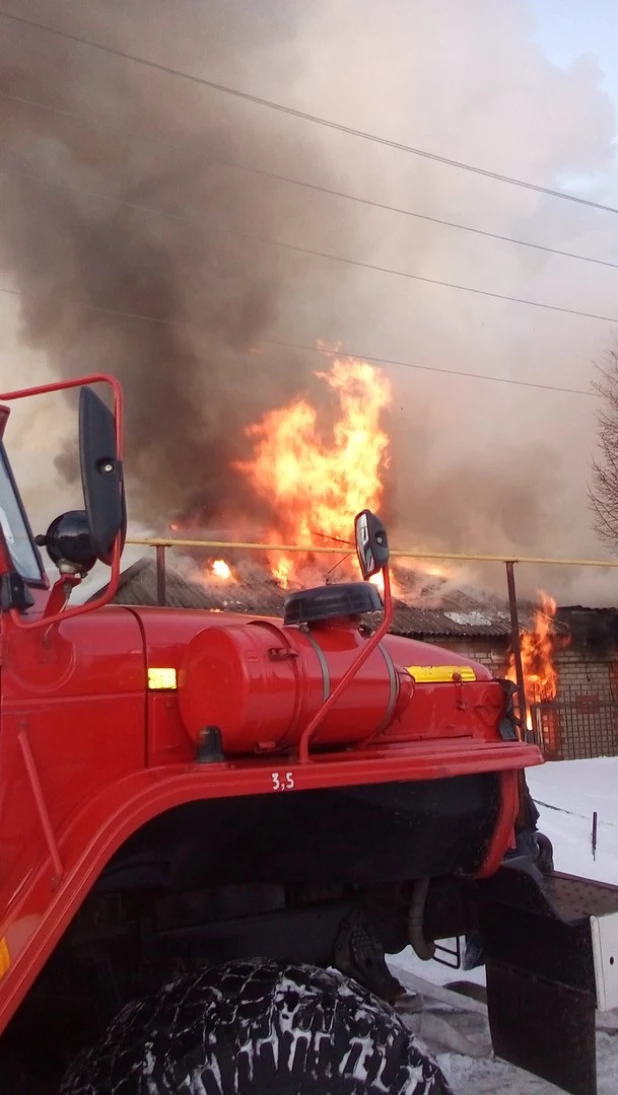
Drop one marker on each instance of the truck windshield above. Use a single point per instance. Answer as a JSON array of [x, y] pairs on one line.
[[17, 535]]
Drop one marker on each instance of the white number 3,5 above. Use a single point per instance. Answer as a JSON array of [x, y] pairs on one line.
[[282, 781]]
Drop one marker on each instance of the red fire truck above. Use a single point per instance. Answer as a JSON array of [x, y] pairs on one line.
[[213, 828]]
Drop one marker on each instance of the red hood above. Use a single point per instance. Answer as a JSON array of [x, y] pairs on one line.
[[167, 632]]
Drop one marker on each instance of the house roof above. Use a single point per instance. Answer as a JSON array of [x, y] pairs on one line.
[[594, 628], [435, 610]]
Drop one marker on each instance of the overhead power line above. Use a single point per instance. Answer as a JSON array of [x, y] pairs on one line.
[[431, 368], [94, 123], [309, 251], [304, 115], [342, 352]]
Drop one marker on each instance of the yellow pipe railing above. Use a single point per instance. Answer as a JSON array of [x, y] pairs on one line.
[[453, 556]]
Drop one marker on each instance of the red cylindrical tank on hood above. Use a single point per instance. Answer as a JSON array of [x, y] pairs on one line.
[[261, 684]]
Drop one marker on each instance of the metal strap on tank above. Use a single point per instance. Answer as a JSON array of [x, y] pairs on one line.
[[392, 699], [323, 665]]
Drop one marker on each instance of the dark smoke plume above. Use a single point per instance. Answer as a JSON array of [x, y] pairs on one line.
[[475, 466], [195, 378]]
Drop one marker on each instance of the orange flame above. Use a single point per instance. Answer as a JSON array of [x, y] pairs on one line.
[[221, 570], [537, 652], [435, 571], [317, 480], [281, 569]]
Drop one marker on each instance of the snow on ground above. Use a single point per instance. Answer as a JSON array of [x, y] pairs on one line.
[[566, 793], [493, 1077]]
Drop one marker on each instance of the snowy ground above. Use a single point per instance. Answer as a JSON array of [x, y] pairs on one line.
[[567, 794]]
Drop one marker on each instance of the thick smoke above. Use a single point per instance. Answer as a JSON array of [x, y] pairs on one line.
[[476, 466], [196, 377]]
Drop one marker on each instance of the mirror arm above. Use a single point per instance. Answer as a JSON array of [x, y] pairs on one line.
[[59, 596], [78, 610], [371, 644]]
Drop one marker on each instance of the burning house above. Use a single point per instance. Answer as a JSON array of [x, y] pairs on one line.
[[309, 472], [570, 655]]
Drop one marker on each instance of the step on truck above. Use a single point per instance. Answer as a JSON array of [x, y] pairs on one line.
[[214, 828]]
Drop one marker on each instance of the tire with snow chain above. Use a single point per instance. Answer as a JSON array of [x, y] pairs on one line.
[[257, 1028]]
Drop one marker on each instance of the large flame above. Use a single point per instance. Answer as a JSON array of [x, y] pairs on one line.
[[537, 654], [537, 651], [315, 480]]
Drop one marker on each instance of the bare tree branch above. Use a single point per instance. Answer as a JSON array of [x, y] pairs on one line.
[[604, 487]]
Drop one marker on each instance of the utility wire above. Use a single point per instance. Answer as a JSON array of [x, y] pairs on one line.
[[429, 368], [281, 344], [304, 115], [297, 249], [93, 123]]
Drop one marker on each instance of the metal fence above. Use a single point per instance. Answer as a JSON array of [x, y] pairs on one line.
[[581, 722]]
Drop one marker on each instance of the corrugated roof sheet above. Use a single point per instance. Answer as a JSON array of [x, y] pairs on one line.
[[431, 611]]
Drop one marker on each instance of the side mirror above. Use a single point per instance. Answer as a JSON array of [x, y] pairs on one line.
[[102, 477], [371, 543]]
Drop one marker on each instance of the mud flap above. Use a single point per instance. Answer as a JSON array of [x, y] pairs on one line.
[[544, 1027], [542, 969]]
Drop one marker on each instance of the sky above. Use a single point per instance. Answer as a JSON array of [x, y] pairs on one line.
[[570, 29], [572, 32]]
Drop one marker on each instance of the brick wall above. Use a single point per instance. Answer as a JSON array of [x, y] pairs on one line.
[[491, 653], [587, 704]]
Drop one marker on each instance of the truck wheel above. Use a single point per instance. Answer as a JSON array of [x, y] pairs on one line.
[[257, 1028]]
